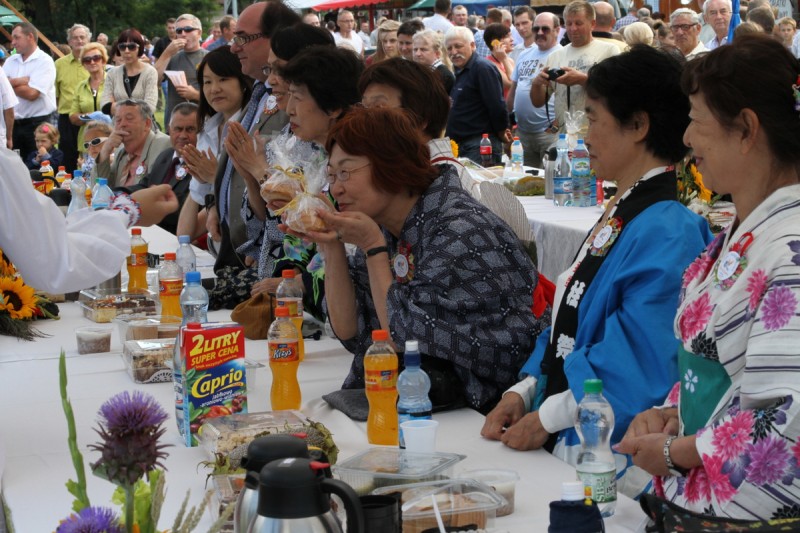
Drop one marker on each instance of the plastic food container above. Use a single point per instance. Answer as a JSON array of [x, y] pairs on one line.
[[139, 327], [103, 305], [149, 361], [226, 491], [504, 482], [382, 467], [464, 505], [93, 339], [223, 434]]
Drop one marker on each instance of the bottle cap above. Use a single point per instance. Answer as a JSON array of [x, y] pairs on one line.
[[411, 357], [184, 239], [284, 311], [193, 277], [62, 168], [580, 141], [412, 346], [485, 135], [136, 231], [102, 181], [288, 274], [516, 138], [593, 386], [78, 173], [562, 135], [380, 335], [45, 162], [572, 491], [169, 256]]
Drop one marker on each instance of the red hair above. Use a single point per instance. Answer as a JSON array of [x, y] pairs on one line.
[[392, 142]]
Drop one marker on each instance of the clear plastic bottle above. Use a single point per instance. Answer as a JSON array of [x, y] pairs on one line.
[[380, 376], [61, 175], [413, 386], [282, 340], [581, 177], [45, 170], [290, 294], [194, 304], [517, 155], [101, 194], [77, 188], [596, 468], [486, 151], [137, 262], [562, 182], [170, 284], [185, 255], [178, 365]]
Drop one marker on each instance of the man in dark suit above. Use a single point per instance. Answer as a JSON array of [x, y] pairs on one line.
[[169, 166]]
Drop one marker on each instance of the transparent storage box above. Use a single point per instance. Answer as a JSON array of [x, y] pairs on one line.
[[226, 491], [103, 305], [141, 327], [149, 361], [463, 504], [381, 467], [223, 434]]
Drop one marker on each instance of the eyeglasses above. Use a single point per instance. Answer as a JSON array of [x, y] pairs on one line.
[[91, 59], [543, 29], [185, 29], [682, 27], [342, 175], [243, 39], [127, 46], [94, 142]]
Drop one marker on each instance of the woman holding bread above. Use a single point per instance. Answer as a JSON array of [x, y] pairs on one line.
[[433, 264]]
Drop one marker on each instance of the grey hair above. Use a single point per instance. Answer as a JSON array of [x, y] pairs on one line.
[[459, 32], [684, 11], [726, 2], [79, 27], [141, 105], [195, 21]]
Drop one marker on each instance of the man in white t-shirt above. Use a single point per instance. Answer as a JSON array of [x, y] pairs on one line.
[[32, 75], [523, 22], [439, 22], [534, 124], [346, 36], [575, 60], [7, 102]]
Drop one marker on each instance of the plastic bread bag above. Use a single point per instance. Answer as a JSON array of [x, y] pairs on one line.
[[286, 178], [575, 121], [301, 213]]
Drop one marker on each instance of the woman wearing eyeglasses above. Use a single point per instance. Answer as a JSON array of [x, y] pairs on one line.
[[89, 93], [134, 78]]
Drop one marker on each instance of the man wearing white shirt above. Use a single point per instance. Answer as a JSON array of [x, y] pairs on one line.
[[32, 75], [523, 22], [718, 13], [7, 102], [685, 26], [438, 22], [346, 36]]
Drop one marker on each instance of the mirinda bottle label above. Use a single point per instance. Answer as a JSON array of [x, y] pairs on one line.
[[170, 287], [381, 380], [137, 259], [283, 352]]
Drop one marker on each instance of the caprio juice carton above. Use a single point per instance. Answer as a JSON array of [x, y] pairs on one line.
[[212, 357]]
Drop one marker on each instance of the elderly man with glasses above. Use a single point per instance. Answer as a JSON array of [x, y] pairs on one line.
[[183, 54], [134, 143], [685, 27]]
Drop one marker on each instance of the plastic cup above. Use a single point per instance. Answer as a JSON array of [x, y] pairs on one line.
[[420, 435], [93, 339]]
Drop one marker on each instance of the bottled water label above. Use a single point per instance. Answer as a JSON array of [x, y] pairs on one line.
[[562, 185], [603, 485]]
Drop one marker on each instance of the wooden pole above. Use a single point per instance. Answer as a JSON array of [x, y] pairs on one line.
[[48, 42]]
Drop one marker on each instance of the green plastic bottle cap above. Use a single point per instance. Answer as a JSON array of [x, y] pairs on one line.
[[593, 386]]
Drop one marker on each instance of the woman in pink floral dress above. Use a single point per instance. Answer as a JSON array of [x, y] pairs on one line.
[[730, 443]]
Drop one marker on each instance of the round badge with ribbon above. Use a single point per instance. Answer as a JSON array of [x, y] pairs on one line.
[[606, 237], [140, 171], [733, 263], [180, 173], [403, 263], [271, 107]]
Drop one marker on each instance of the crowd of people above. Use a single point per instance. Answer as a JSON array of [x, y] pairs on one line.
[[702, 327]]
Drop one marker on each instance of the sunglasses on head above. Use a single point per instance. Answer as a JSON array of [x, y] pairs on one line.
[[127, 46], [91, 59], [94, 142], [185, 29]]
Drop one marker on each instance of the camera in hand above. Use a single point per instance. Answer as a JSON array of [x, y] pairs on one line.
[[554, 73]]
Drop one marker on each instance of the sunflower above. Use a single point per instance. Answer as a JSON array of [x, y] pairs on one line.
[[702, 193], [18, 298], [6, 266]]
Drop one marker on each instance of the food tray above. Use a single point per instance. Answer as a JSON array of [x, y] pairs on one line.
[[221, 435], [149, 361], [103, 305], [140, 327]]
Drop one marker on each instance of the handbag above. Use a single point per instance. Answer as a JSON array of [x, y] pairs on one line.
[[255, 316], [232, 287]]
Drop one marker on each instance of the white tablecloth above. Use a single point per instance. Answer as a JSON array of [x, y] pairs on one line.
[[559, 231], [37, 461]]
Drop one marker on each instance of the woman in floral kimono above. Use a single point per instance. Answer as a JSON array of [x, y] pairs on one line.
[[731, 446]]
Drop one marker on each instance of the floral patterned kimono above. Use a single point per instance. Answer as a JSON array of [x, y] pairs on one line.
[[739, 327]]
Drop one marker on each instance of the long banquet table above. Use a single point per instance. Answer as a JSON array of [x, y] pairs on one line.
[[37, 461]]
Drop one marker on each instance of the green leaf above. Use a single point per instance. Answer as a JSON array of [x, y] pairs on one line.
[[77, 489]]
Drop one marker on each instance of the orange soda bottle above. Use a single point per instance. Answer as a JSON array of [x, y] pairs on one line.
[[380, 375], [283, 362], [290, 294], [137, 262], [170, 285]]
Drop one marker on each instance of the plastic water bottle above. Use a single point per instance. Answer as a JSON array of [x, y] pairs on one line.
[[517, 155], [562, 182], [77, 188], [380, 376], [413, 386], [194, 303], [596, 468], [101, 195], [289, 294], [486, 151], [581, 177], [185, 256], [283, 362]]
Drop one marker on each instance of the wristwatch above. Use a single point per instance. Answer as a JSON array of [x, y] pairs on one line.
[[674, 470], [209, 201]]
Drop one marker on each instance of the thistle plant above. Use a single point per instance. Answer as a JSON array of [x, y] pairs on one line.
[[91, 520]]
